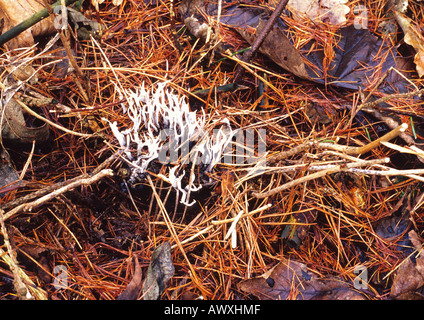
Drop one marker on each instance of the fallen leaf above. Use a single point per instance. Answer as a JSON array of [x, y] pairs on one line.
[[414, 38], [410, 275], [14, 128], [134, 287], [17, 11], [84, 26], [358, 57], [160, 270], [291, 279], [9, 178], [333, 10]]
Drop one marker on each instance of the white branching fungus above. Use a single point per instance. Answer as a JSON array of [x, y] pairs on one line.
[[163, 129]]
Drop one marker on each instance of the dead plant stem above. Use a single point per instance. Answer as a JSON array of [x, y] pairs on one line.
[[312, 176], [247, 55], [85, 180], [35, 114]]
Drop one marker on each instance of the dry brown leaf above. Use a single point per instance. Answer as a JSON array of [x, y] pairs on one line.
[[279, 48], [14, 12], [134, 287], [292, 280], [414, 38], [410, 275]]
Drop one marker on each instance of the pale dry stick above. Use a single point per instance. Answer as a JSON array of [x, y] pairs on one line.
[[413, 173], [38, 293], [47, 189], [392, 124], [25, 168], [289, 153], [10, 258], [368, 147], [31, 112], [349, 150], [312, 176], [75, 183], [318, 167], [392, 96], [193, 236], [265, 207]]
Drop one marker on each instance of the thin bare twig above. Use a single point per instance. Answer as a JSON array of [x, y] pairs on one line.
[[87, 180], [248, 55], [312, 176]]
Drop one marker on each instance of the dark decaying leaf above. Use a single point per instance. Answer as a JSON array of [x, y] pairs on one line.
[[85, 27], [160, 270], [290, 279], [14, 128], [134, 287], [360, 57], [410, 275], [9, 178], [297, 232]]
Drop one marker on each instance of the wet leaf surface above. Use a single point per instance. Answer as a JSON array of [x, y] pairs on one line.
[[410, 275], [290, 279], [353, 65], [161, 269]]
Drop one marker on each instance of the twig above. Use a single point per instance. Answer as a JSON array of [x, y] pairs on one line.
[[247, 56], [309, 177], [319, 167], [19, 276], [368, 147], [392, 96], [69, 186], [21, 27], [35, 114], [64, 37], [348, 150], [289, 153], [42, 192]]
